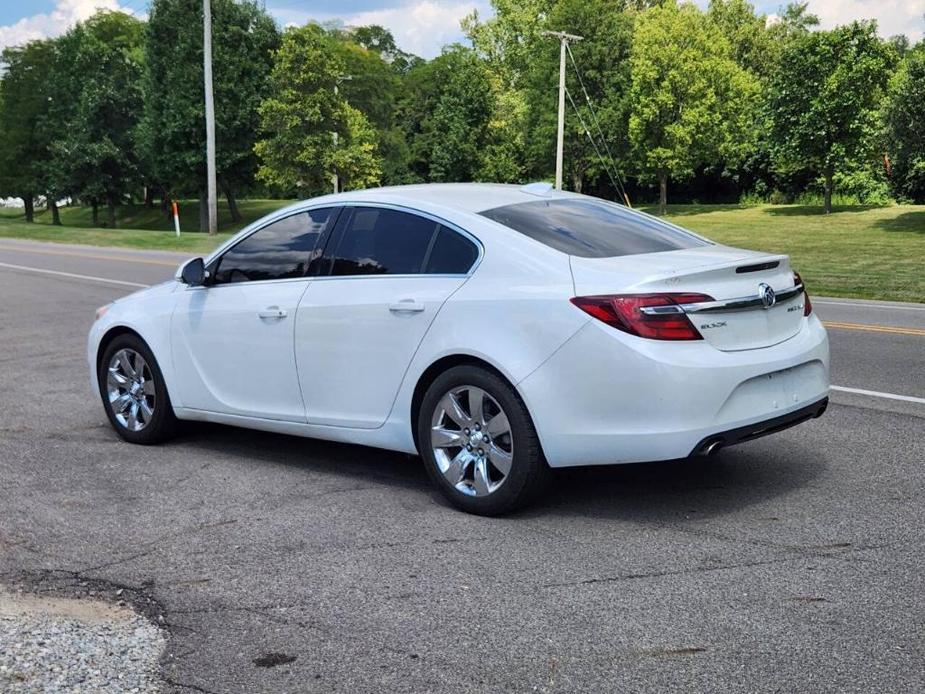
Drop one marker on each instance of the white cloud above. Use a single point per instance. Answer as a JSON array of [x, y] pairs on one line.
[[893, 16], [421, 27], [63, 17]]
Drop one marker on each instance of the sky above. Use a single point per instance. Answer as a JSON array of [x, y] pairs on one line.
[[420, 26]]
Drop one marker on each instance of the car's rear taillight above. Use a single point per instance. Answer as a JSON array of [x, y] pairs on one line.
[[624, 312], [807, 304]]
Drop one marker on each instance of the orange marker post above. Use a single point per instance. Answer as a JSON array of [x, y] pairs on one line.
[[176, 218]]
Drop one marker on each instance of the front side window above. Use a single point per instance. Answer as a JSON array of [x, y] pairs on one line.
[[591, 228], [281, 250], [380, 241]]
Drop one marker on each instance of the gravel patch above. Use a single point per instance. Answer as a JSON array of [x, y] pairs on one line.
[[75, 645]]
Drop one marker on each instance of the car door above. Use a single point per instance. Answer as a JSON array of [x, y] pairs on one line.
[[232, 339], [383, 278]]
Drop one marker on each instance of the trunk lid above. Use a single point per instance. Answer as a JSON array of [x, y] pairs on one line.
[[721, 272]]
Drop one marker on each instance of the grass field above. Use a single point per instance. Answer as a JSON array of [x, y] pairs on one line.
[[152, 219], [138, 226], [866, 252]]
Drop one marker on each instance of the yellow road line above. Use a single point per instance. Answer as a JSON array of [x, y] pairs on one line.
[[920, 332], [93, 256]]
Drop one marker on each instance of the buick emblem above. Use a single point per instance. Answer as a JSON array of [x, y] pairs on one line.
[[766, 294]]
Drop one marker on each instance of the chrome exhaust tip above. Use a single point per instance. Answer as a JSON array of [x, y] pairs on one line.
[[711, 447]]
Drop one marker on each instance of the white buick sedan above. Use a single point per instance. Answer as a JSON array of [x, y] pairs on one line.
[[498, 331]]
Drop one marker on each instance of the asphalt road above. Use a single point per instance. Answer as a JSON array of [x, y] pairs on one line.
[[791, 563]]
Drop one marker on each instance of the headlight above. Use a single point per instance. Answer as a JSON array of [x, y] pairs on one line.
[[102, 310]]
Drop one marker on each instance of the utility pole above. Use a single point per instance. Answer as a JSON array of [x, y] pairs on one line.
[[210, 118], [560, 137], [335, 177]]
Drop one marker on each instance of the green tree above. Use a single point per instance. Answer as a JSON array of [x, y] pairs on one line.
[[355, 158], [371, 83], [603, 68], [445, 112], [747, 33], [507, 43], [172, 133], [242, 61], [508, 40], [823, 100], [904, 118], [368, 82], [23, 142], [374, 37], [795, 21], [757, 45], [95, 109], [381, 41], [311, 132], [691, 103], [503, 157]]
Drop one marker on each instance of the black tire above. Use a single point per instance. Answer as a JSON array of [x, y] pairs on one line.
[[529, 473], [163, 423]]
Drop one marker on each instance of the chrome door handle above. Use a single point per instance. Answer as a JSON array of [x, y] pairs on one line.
[[272, 313], [406, 306]]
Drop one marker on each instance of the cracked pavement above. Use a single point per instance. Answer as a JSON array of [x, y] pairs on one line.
[[791, 563]]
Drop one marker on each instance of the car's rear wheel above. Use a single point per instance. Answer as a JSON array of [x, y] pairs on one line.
[[478, 442], [134, 393]]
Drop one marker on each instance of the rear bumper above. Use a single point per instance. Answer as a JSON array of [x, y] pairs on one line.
[[711, 444], [606, 397]]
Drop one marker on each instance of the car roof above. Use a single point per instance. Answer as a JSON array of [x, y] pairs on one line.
[[465, 197], [455, 199]]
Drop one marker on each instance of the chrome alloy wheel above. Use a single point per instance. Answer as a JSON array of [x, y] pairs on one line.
[[130, 388], [471, 440]]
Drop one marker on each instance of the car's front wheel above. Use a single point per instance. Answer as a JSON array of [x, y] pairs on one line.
[[478, 442], [134, 393]]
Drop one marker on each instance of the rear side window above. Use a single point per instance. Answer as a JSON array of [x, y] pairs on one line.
[[281, 250], [451, 254], [380, 241], [592, 228]]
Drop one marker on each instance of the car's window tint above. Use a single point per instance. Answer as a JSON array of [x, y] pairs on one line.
[[592, 228], [281, 250], [451, 254], [378, 241]]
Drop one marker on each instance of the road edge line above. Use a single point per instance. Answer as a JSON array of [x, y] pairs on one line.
[[878, 394], [72, 275]]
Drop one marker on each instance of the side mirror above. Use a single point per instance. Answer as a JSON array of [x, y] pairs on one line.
[[193, 272]]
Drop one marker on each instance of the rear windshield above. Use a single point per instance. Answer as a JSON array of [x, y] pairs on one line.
[[592, 228]]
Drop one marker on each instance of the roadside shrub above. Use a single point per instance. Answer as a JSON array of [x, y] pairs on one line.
[[912, 185], [753, 199], [855, 187], [780, 197], [766, 197]]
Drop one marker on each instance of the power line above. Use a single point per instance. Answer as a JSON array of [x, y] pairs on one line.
[[600, 130], [612, 164], [597, 124], [593, 143], [133, 6]]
